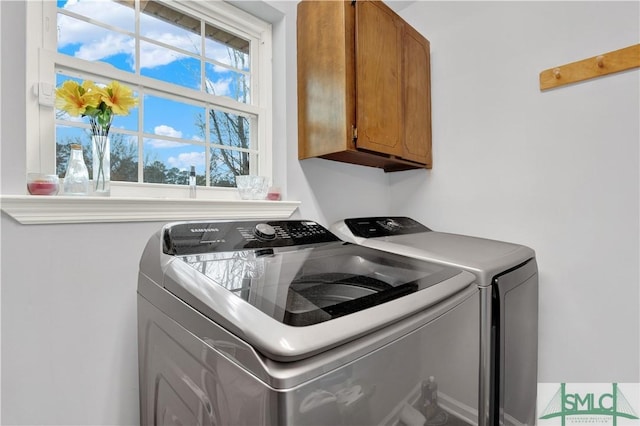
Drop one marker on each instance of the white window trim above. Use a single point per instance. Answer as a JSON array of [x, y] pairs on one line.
[[127, 203]]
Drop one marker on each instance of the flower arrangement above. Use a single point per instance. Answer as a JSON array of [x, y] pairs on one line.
[[100, 104]]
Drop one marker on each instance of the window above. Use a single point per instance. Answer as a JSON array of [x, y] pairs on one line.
[[201, 72]]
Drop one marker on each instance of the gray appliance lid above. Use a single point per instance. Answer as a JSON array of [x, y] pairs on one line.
[[291, 300], [484, 257]]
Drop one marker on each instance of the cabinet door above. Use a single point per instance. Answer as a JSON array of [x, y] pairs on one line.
[[417, 106], [326, 77], [378, 78]]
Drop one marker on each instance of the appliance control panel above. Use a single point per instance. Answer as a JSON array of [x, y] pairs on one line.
[[371, 227], [207, 237]]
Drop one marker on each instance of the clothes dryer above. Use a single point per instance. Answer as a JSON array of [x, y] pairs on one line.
[[507, 278], [281, 323]]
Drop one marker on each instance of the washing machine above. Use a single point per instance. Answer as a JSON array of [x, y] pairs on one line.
[[282, 323], [507, 278]]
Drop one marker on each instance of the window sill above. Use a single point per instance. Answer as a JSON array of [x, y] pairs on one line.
[[30, 209]]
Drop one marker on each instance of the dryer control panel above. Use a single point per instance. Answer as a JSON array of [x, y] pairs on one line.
[[207, 237], [371, 227]]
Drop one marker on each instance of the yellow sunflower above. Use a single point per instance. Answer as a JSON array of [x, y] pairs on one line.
[[118, 97], [75, 99]]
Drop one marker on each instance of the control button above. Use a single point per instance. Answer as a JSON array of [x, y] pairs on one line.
[[264, 231]]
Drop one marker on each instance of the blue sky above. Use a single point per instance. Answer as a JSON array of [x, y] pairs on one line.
[[162, 117]]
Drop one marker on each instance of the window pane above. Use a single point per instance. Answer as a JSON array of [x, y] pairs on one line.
[[169, 65], [226, 164], [229, 129], [170, 162], [165, 117], [124, 157], [113, 13], [65, 136], [224, 82], [169, 26], [226, 48], [93, 43]]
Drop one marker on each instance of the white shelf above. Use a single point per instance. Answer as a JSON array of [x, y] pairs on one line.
[[30, 209]]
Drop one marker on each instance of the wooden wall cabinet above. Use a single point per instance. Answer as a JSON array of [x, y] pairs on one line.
[[364, 93]]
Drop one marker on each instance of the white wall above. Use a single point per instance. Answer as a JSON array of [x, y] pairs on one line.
[[555, 170], [502, 150]]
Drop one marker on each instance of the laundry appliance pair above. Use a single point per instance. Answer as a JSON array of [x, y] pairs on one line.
[[283, 323]]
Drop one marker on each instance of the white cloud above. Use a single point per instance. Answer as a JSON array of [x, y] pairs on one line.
[[162, 144], [109, 45], [220, 87], [164, 130], [78, 119], [152, 56], [187, 159]]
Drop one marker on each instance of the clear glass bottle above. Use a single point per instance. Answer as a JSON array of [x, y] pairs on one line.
[[192, 182], [76, 180]]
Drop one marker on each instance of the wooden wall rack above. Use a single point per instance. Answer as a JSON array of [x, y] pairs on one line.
[[597, 66]]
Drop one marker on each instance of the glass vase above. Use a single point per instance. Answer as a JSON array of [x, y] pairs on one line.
[[76, 179], [101, 151]]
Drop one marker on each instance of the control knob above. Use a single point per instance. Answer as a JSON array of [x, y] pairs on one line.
[[264, 231], [390, 224]]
